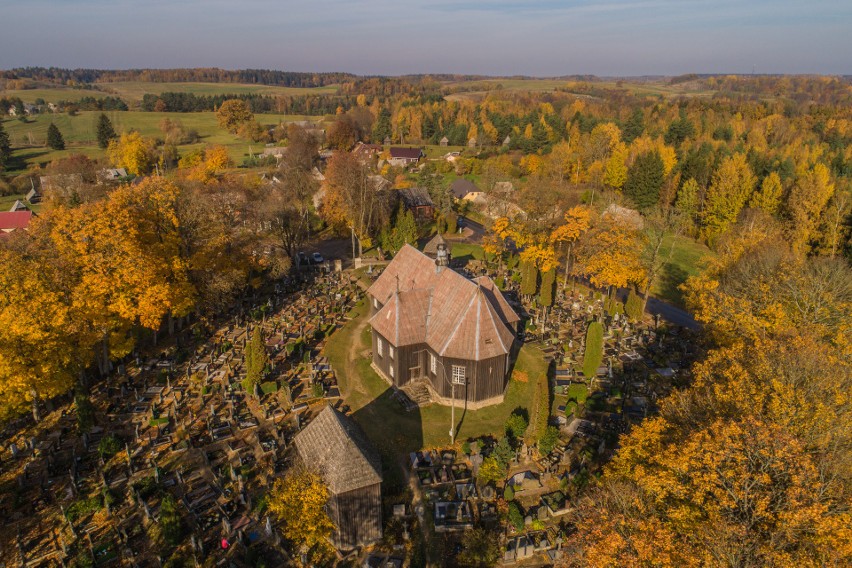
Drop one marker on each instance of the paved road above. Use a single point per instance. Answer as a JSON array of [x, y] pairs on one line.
[[477, 230]]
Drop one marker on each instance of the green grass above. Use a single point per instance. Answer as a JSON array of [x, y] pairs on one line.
[[7, 201], [28, 139], [467, 251], [395, 431], [689, 258]]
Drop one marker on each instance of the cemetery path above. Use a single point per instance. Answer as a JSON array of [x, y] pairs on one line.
[[352, 356]]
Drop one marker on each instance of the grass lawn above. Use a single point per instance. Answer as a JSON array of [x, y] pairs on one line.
[[467, 251], [688, 259], [395, 431], [28, 139], [7, 201]]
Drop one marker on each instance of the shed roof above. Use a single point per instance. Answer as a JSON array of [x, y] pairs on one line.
[[416, 197], [337, 446]]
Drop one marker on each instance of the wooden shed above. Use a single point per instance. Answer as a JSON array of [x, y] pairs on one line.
[[351, 467]]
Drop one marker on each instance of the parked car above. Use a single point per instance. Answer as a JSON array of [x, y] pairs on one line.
[[317, 258]]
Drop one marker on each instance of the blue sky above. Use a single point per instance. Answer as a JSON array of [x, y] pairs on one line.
[[494, 37]]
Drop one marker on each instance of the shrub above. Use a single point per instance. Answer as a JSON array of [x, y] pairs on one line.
[[508, 493], [85, 412], [516, 516], [517, 424], [109, 446], [170, 521], [593, 354], [317, 390], [633, 308], [83, 507], [491, 470], [466, 448], [548, 441], [503, 452]]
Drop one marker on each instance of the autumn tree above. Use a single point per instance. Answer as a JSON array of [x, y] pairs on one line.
[[55, 141], [805, 205], [302, 148], [768, 197], [233, 113], [289, 208], [298, 502], [729, 191], [615, 169], [351, 200], [38, 325], [104, 130], [577, 222], [132, 152], [343, 133], [610, 254]]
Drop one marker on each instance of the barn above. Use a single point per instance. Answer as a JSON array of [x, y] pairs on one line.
[[431, 324], [351, 467]]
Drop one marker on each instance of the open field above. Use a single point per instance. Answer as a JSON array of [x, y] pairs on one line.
[[388, 425], [28, 139], [650, 88], [133, 91]]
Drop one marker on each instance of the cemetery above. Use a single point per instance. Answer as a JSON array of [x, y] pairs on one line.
[[169, 461]]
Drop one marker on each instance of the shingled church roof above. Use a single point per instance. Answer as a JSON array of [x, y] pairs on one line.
[[339, 449], [456, 317]]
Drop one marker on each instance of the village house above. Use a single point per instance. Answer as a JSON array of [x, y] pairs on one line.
[[444, 141], [465, 190], [338, 449], [432, 325], [111, 174], [404, 156], [366, 152], [11, 221]]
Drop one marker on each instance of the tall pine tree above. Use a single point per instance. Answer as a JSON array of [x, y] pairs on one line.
[[644, 180], [105, 131], [54, 138], [5, 147]]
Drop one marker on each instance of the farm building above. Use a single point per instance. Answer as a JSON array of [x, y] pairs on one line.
[[431, 324], [351, 467], [418, 201]]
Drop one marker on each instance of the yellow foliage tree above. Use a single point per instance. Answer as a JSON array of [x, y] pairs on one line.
[[298, 502], [806, 203], [132, 152], [615, 169]]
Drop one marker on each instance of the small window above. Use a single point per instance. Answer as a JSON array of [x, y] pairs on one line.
[[433, 363], [380, 347], [376, 303], [391, 370], [390, 351], [458, 375]]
